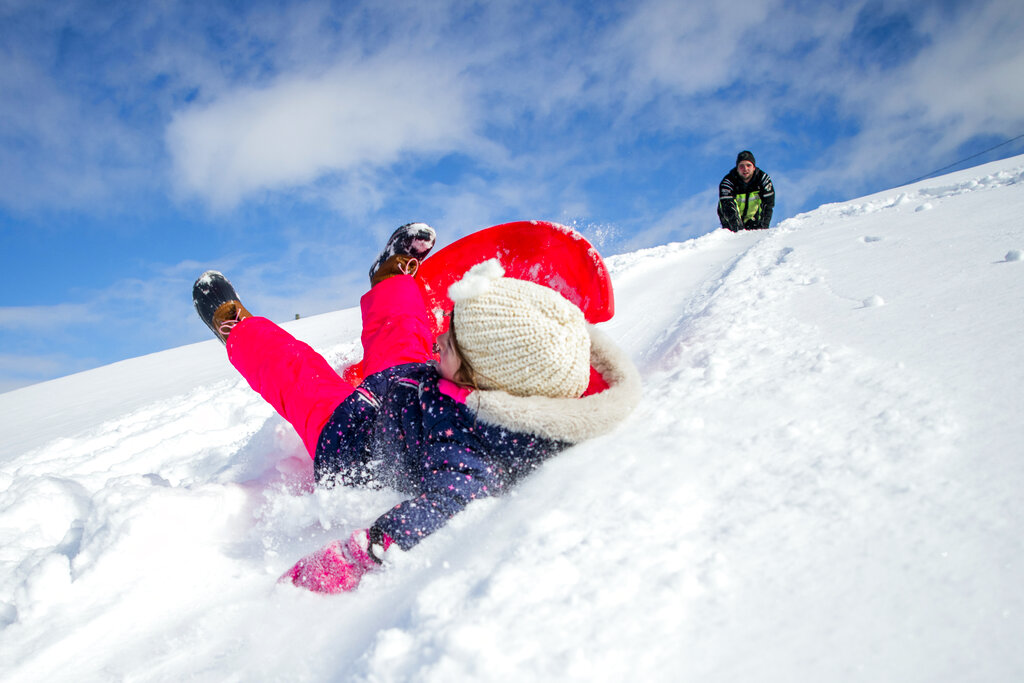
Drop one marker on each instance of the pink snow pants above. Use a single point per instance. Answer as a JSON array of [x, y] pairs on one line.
[[296, 380]]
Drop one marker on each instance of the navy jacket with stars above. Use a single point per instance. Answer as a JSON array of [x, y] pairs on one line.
[[409, 429]]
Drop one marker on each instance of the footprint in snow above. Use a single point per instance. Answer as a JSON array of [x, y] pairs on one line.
[[873, 301], [868, 239]]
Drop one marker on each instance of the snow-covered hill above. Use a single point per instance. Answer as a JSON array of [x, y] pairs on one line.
[[823, 482]]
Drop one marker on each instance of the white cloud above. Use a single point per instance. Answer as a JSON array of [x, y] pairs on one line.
[[20, 370], [692, 217], [42, 318], [686, 47], [358, 114], [968, 77], [914, 117]]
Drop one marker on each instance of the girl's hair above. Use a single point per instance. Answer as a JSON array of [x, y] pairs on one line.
[[465, 375]]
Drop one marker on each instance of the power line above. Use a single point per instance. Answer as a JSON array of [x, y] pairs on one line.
[[985, 151]]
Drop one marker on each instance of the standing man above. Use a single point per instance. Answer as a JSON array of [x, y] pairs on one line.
[[745, 196]]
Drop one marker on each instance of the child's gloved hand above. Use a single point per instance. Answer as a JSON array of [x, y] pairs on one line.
[[339, 565]]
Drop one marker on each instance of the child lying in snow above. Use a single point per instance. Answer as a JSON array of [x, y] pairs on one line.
[[504, 392]]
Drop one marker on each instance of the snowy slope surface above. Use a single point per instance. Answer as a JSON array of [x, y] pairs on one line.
[[823, 482]]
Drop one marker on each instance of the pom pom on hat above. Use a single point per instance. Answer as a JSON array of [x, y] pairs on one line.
[[476, 281], [518, 336]]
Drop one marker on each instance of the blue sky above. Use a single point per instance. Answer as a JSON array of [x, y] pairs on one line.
[[142, 143]]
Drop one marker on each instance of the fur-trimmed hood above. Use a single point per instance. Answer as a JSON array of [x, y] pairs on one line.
[[569, 420]]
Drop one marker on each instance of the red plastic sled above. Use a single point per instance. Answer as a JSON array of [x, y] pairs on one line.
[[546, 253]]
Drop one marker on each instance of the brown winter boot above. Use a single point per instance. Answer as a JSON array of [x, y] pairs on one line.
[[413, 241], [217, 304], [399, 264], [227, 315]]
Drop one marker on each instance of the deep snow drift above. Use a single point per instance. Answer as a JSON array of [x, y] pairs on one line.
[[823, 482]]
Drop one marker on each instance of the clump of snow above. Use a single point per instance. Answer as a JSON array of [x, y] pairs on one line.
[[806, 492], [1014, 255]]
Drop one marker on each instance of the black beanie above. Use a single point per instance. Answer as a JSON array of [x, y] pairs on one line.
[[745, 156]]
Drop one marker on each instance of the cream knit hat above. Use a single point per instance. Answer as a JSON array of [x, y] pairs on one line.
[[520, 337]]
